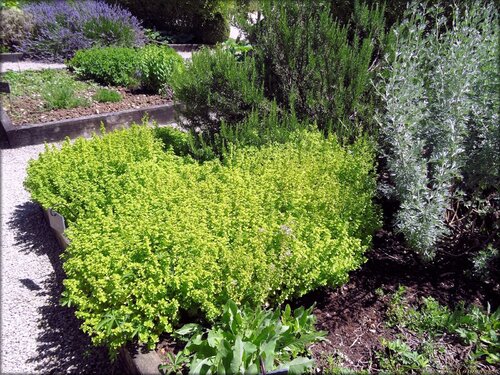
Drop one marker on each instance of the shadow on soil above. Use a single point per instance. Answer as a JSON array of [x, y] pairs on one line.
[[62, 346]]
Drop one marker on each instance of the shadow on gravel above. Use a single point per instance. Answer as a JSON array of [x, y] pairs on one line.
[[62, 347]]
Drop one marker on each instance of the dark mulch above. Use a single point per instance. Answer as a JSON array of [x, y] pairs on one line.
[[353, 315], [30, 110]]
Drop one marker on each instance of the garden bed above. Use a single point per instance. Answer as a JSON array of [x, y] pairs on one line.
[[33, 95], [29, 110], [355, 316], [37, 111], [23, 135]]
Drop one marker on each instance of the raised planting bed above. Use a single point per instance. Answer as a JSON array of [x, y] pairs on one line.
[[23, 135], [136, 230], [51, 105]]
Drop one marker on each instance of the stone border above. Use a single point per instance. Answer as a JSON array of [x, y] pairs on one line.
[[140, 361], [10, 57], [136, 361], [24, 135]]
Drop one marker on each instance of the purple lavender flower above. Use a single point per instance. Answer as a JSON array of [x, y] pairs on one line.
[[62, 27]]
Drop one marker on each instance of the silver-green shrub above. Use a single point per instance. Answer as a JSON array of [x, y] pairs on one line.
[[441, 114]]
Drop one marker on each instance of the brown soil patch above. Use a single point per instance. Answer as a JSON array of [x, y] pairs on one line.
[[30, 110], [353, 315]]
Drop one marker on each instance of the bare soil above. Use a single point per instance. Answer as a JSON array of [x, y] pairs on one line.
[[354, 315], [30, 110]]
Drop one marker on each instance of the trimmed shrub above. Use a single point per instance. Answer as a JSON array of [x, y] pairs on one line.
[[63, 27], [116, 66], [95, 179], [15, 26], [154, 235], [204, 21], [151, 68], [157, 65], [214, 30], [216, 87], [441, 117], [313, 63]]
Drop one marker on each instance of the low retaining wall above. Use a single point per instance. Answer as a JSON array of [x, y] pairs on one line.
[[136, 361], [10, 57], [24, 135]]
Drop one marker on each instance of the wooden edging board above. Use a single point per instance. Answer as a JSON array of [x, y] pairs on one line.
[[138, 362], [24, 135]]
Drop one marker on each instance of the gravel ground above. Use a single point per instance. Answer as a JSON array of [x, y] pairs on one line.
[[37, 335], [28, 65]]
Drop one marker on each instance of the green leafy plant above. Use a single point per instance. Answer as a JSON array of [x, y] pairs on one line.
[[398, 358], [150, 68], [107, 96], [239, 48], [157, 65], [473, 325], [216, 87], [63, 97], [481, 329], [175, 364], [116, 66], [154, 235], [249, 340], [9, 4]]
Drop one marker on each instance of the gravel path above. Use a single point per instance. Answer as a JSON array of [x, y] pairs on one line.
[[37, 335], [28, 65]]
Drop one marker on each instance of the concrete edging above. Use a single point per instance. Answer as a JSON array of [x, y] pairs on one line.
[[138, 362], [24, 135]]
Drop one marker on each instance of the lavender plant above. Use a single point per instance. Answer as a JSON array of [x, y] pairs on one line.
[[62, 27], [441, 81]]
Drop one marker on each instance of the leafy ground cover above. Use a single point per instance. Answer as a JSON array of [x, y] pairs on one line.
[[50, 95], [259, 227]]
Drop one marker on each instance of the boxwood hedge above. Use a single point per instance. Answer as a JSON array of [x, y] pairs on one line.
[[155, 236]]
